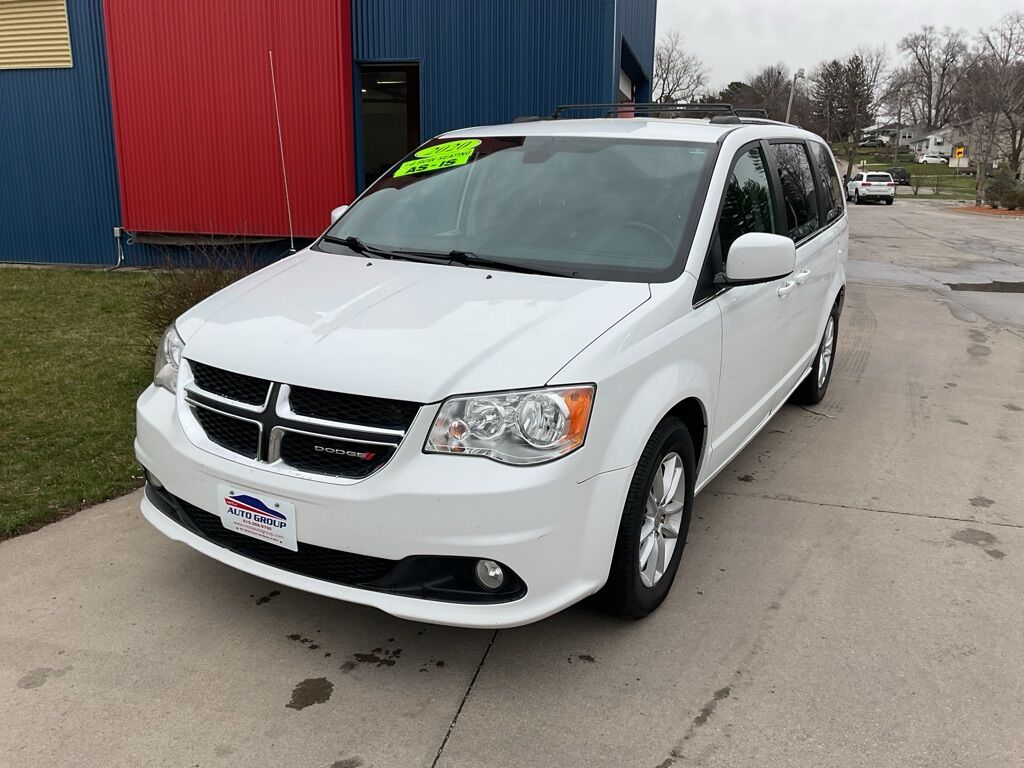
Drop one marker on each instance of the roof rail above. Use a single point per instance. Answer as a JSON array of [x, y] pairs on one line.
[[648, 107]]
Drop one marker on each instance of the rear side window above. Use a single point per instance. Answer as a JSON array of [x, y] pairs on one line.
[[879, 177], [747, 205], [832, 189], [800, 206]]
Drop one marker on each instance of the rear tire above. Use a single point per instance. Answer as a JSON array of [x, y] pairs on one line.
[[856, 198], [633, 591], [813, 388]]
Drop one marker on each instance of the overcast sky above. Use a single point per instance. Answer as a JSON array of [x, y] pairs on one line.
[[736, 37]]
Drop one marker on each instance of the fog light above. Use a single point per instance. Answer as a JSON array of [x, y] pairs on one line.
[[153, 480], [489, 574]]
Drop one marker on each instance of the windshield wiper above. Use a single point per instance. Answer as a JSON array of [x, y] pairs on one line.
[[470, 259], [358, 246]]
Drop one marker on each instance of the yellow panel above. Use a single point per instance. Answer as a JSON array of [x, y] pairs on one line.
[[34, 34]]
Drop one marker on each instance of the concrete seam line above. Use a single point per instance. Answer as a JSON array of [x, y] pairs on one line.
[[772, 497], [465, 698]]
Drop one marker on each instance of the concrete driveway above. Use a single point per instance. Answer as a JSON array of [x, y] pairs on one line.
[[850, 594]]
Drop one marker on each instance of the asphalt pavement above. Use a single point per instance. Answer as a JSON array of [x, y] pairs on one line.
[[850, 594]]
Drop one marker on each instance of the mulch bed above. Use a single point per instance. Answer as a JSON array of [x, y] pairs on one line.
[[986, 211]]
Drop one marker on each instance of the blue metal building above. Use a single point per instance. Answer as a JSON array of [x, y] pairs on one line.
[[58, 173], [418, 68]]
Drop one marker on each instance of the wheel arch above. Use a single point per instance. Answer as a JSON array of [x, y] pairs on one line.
[[692, 412]]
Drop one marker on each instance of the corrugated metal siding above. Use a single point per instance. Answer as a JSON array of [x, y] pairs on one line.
[[34, 34], [58, 180], [489, 61], [195, 121], [636, 25]]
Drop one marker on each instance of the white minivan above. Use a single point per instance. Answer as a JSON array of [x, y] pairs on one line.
[[494, 385]]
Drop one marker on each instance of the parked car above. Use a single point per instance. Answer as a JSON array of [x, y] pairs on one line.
[[900, 175], [866, 187], [872, 142], [930, 159], [495, 384]]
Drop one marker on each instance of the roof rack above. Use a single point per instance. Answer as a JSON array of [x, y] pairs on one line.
[[649, 107]]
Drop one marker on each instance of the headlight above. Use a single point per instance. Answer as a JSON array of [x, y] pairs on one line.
[[523, 427], [168, 360]]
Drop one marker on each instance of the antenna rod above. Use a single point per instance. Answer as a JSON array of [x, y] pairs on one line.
[[280, 145]]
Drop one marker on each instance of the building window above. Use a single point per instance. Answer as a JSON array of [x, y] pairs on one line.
[[34, 34]]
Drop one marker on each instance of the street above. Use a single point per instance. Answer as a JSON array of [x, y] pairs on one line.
[[850, 594]]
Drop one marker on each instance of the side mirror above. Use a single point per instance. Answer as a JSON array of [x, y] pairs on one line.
[[336, 213], [758, 257]]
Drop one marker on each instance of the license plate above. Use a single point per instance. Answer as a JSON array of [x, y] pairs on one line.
[[257, 515]]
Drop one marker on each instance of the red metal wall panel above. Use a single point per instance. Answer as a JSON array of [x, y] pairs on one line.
[[194, 118]]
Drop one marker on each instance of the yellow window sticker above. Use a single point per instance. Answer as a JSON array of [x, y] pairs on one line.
[[439, 156]]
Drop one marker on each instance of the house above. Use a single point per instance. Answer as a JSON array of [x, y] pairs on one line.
[[939, 142]]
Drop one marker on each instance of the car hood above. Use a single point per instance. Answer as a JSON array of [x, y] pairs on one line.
[[401, 329]]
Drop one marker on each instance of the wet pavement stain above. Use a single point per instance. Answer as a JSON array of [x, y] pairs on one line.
[[379, 657], [348, 762], [978, 350], [586, 657], [268, 597], [982, 539], [1012, 407], [960, 421], [981, 501], [746, 478], [315, 690], [36, 677], [709, 709], [974, 536], [996, 286]]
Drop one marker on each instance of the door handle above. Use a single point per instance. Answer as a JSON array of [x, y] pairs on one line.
[[801, 276], [786, 287]]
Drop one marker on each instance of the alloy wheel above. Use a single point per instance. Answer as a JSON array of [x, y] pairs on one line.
[[662, 519], [827, 348]]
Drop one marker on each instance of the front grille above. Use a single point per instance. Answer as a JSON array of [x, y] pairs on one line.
[[352, 409], [233, 386], [310, 560], [300, 451], [310, 430], [238, 436]]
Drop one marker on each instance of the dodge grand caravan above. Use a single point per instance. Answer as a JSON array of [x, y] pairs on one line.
[[494, 385]]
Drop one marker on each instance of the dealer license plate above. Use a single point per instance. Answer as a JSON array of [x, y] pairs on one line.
[[257, 515]]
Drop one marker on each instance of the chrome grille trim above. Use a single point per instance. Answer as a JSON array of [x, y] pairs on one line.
[[284, 410], [276, 420]]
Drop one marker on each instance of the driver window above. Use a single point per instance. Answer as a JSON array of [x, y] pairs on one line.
[[747, 206]]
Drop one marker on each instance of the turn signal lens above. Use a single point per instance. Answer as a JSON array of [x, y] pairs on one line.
[[519, 427]]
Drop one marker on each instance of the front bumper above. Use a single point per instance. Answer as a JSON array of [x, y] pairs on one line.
[[552, 528]]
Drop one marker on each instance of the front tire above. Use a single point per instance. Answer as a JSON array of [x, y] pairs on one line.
[[655, 521], [890, 201], [812, 389]]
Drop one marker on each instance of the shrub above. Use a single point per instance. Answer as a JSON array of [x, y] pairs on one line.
[[1002, 184], [177, 288], [1013, 199]]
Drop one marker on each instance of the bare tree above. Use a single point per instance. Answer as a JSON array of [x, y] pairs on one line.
[[993, 96], [678, 76], [936, 64], [772, 85]]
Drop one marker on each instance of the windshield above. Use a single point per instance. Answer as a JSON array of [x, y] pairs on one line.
[[591, 207]]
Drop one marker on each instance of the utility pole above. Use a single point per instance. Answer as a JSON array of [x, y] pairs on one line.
[[899, 134], [792, 90]]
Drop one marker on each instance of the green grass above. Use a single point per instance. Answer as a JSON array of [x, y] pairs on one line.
[[72, 361]]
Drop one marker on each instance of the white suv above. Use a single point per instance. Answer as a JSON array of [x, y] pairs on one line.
[[864, 187], [495, 384]]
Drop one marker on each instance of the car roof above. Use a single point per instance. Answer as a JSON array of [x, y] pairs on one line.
[[649, 128]]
